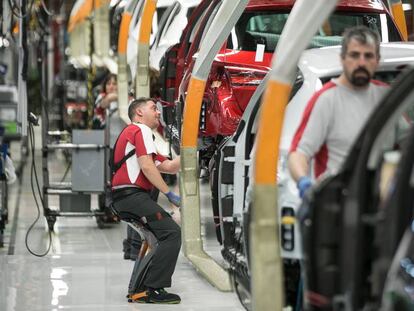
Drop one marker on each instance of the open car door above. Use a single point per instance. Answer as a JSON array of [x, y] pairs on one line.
[[397, 236]]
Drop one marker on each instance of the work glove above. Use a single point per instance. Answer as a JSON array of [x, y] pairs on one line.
[[173, 198], [303, 185]]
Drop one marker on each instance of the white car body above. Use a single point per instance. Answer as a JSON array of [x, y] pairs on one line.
[[132, 44], [176, 18], [316, 66]]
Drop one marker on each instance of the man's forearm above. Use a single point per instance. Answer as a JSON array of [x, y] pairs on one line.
[[150, 171], [154, 176], [170, 166], [298, 165]]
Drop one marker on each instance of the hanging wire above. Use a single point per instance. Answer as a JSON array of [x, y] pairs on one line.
[[51, 13], [17, 11], [33, 173]]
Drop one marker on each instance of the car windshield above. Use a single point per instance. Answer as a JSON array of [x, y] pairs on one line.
[[254, 28]]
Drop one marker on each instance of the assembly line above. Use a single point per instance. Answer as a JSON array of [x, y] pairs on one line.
[[206, 154]]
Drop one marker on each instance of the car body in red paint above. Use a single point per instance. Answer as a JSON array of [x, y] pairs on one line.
[[245, 57]]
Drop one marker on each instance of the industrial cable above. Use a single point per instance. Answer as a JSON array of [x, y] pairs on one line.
[[91, 76], [299, 297], [18, 12], [33, 173], [40, 25], [1, 18], [34, 166], [66, 171], [51, 13]]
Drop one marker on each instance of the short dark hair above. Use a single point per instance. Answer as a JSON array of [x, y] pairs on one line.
[[363, 35], [135, 104], [105, 81]]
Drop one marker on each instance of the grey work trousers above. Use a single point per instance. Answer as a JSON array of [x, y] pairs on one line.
[[167, 232], [132, 243]]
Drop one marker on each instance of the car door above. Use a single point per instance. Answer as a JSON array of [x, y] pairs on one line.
[[172, 67], [164, 22], [396, 256], [176, 54]]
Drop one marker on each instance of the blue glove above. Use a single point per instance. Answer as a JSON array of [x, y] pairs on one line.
[[173, 198], [303, 185]]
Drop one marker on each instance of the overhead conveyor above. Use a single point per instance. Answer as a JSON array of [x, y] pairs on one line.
[[79, 30], [90, 17], [122, 59], [266, 262], [101, 28], [396, 8], [230, 11], [142, 81], [142, 86]]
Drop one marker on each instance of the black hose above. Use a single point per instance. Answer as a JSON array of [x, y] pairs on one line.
[[33, 172]]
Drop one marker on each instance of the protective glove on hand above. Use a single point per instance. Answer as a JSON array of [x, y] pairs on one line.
[[303, 184], [173, 198]]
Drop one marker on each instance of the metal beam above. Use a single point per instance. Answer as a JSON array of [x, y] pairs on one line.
[[396, 8], [101, 28], [122, 79], [142, 85], [224, 21]]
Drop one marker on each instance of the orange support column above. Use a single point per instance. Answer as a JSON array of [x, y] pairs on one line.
[[192, 112], [399, 16], [142, 86], [122, 63], [225, 19]]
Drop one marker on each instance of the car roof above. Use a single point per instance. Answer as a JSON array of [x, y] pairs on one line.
[[163, 3], [189, 3], [375, 5], [325, 61]]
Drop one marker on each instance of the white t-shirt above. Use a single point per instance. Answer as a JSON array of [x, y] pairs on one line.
[[332, 121]]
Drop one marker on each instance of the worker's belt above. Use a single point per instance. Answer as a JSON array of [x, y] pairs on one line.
[[118, 194]]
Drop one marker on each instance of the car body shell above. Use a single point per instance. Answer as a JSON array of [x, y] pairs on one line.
[[232, 166], [316, 66], [133, 34], [170, 33], [235, 74]]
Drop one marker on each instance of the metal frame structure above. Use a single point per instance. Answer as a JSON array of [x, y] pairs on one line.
[[230, 12], [66, 188], [122, 60], [142, 85], [396, 8], [264, 228]]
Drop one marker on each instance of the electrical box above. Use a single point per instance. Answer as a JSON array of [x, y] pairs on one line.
[[88, 165]]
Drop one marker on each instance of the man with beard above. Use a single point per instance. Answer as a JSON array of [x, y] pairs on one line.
[[336, 114]]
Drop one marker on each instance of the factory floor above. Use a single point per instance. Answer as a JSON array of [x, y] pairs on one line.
[[85, 269]]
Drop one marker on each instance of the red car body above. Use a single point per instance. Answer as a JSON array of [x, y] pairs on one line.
[[235, 73]]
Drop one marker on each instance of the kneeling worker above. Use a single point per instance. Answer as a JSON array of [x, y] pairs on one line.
[[131, 186]]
